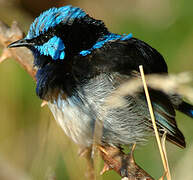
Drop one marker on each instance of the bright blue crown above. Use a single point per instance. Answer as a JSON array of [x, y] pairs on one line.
[[53, 17]]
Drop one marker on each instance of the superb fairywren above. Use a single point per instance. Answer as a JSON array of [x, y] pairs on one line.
[[80, 63]]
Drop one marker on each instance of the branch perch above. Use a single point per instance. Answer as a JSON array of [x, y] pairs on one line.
[[22, 55], [113, 157], [123, 164]]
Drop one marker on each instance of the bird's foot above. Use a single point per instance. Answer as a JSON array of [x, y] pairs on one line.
[[83, 152], [105, 169], [124, 164]]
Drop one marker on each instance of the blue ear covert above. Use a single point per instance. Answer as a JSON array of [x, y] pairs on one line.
[[54, 48]]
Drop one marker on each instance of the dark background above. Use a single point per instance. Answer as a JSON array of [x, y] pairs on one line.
[[32, 146]]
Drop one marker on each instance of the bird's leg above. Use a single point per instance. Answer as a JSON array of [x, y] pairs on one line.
[[131, 157], [128, 161]]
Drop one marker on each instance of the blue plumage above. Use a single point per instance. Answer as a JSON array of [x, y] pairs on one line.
[[54, 47], [76, 85], [53, 17], [186, 108], [105, 39]]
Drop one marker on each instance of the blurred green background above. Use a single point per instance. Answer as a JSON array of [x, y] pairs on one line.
[[33, 147]]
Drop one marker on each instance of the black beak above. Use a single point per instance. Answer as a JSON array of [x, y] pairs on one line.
[[20, 43]]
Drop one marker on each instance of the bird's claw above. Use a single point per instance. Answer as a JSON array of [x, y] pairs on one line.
[[102, 149], [83, 152], [105, 169]]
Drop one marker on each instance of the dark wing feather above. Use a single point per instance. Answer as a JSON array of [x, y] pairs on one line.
[[121, 58], [143, 54], [165, 118], [186, 108], [126, 56]]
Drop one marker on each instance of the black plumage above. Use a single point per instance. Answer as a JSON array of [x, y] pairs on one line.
[[80, 63]]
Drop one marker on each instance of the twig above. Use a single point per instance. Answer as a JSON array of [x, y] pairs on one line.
[[22, 55], [118, 161], [164, 160]]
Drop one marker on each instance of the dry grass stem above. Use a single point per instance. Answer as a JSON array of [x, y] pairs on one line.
[[170, 84], [164, 160], [163, 140]]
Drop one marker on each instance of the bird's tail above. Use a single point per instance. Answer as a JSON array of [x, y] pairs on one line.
[[186, 108]]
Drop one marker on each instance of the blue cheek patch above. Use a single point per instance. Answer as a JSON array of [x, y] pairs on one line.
[[108, 38], [54, 48]]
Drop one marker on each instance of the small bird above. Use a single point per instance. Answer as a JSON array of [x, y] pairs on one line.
[[80, 63]]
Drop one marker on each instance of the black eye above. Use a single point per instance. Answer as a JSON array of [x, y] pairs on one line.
[[41, 39], [45, 38]]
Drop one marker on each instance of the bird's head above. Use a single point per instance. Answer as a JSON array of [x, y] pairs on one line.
[[60, 33]]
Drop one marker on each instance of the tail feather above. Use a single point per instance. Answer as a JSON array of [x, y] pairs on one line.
[[186, 108], [177, 139], [165, 118]]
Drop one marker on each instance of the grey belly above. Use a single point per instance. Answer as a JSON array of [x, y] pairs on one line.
[[75, 123], [77, 115]]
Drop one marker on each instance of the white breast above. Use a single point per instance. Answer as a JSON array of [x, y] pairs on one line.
[[74, 119]]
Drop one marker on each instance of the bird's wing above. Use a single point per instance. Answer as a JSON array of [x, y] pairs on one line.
[[121, 59], [124, 57], [143, 54], [165, 117], [163, 110]]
